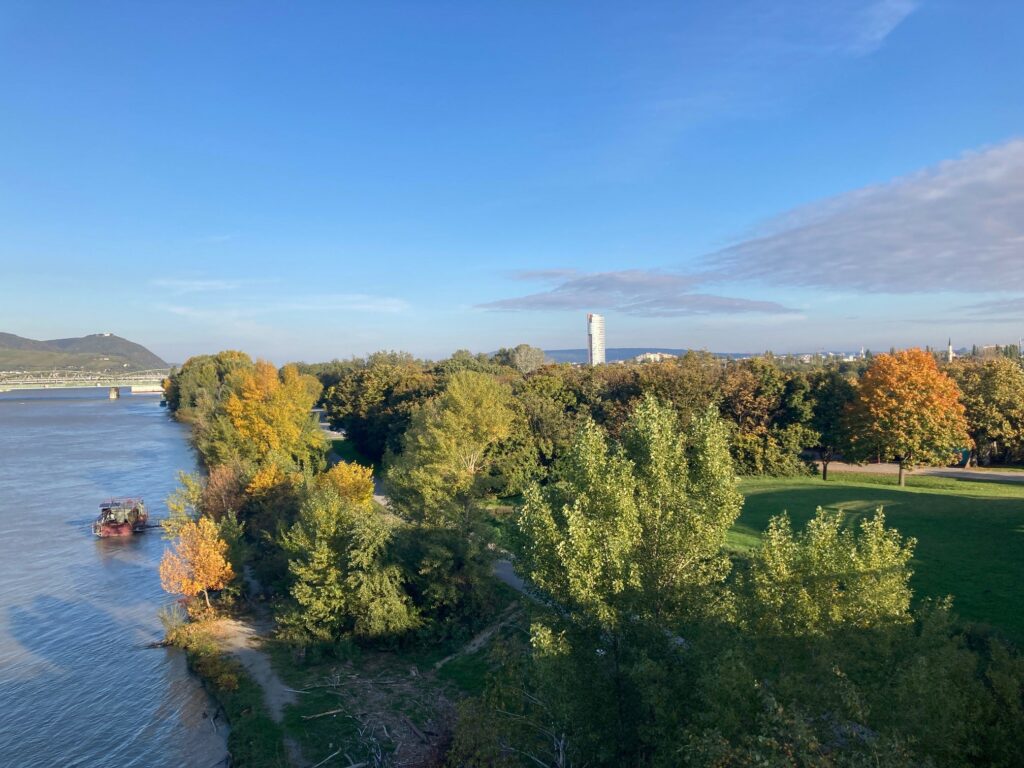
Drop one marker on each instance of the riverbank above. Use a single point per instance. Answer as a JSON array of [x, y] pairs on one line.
[[255, 738]]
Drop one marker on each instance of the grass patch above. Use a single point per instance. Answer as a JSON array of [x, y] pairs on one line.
[[468, 673], [970, 534], [346, 450], [255, 740], [998, 468], [380, 692]]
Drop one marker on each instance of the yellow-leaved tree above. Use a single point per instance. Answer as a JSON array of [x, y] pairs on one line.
[[353, 482], [198, 562], [271, 413]]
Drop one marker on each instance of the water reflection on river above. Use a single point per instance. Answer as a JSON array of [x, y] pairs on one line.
[[77, 688]]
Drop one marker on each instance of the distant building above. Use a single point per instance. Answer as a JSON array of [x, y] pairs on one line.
[[949, 352], [654, 357], [595, 339]]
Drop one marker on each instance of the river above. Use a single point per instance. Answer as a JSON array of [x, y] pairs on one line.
[[77, 685]]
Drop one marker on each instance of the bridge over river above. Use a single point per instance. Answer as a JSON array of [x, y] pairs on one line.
[[114, 381]]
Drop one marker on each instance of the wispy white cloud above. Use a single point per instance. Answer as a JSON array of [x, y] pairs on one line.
[[642, 292], [257, 307], [957, 227], [1001, 309], [877, 21]]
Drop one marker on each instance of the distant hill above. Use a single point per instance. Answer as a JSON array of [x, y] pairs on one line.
[[612, 354], [96, 352]]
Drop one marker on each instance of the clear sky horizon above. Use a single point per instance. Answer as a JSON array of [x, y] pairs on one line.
[[319, 180]]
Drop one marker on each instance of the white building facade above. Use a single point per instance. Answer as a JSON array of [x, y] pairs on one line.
[[595, 339]]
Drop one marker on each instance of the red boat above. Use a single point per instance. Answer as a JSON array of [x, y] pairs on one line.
[[121, 517]]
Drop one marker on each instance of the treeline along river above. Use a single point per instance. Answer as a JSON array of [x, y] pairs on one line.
[[77, 685]]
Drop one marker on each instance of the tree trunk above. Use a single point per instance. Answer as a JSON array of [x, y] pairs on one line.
[[207, 596], [824, 470], [903, 480]]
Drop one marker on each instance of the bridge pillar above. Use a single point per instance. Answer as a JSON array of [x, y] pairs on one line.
[[115, 392]]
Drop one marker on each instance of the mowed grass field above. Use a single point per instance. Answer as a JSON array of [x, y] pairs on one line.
[[970, 534]]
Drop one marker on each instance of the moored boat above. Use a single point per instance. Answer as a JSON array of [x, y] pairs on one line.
[[121, 517]]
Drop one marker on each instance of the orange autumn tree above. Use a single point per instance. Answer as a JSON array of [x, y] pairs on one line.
[[908, 411], [198, 562]]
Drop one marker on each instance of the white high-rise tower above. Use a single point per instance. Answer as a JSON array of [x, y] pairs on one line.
[[595, 338]]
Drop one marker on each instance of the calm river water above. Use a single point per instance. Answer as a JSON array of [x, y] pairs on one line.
[[77, 688]]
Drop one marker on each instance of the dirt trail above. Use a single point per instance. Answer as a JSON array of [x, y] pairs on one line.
[[243, 638], [990, 475]]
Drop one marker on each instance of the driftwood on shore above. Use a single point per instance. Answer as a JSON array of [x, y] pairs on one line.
[[323, 714]]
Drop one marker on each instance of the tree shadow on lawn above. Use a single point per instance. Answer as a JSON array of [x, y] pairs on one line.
[[968, 546]]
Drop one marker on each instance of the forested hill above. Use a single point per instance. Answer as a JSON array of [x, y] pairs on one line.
[[96, 352]]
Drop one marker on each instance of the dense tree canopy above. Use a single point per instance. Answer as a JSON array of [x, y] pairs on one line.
[[992, 396], [650, 642]]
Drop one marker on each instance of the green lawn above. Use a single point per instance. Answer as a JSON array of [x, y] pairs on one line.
[[970, 535], [347, 451]]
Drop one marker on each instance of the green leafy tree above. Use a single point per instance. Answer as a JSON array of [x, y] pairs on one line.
[[637, 531], [625, 544], [832, 393], [373, 400], [342, 580], [449, 449], [770, 411], [827, 577], [992, 395]]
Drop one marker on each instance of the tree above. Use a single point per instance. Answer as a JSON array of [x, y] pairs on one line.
[[198, 562], [198, 381], [353, 482], [992, 396], [271, 413], [687, 501], [770, 411], [523, 358], [832, 392], [637, 532], [343, 580], [448, 450], [373, 400], [908, 411], [827, 577], [625, 544]]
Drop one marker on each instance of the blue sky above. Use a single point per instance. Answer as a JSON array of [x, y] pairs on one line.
[[316, 180]]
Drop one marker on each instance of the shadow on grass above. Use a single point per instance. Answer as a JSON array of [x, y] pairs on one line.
[[968, 544]]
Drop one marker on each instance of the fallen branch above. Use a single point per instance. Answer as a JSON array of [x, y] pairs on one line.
[[327, 758], [415, 730], [323, 714]]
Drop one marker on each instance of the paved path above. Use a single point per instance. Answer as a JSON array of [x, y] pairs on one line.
[[971, 473]]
